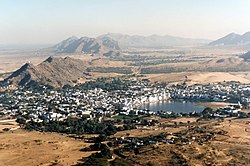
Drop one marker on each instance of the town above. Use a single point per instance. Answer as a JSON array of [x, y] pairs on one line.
[[108, 97]]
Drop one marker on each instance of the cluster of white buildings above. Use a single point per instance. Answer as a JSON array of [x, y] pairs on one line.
[[97, 103], [89, 104], [219, 92]]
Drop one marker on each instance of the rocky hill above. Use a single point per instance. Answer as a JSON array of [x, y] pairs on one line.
[[53, 71], [232, 39], [87, 45]]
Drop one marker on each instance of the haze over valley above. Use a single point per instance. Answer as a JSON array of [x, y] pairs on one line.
[[124, 54]]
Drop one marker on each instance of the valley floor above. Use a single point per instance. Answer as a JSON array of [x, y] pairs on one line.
[[200, 77]]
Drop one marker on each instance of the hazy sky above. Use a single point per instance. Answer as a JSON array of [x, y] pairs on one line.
[[49, 21]]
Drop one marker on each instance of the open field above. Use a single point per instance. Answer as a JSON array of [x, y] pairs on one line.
[[231, 146], [12, 60], [215, 105], [200, 77], [238, 132], [21, 148]]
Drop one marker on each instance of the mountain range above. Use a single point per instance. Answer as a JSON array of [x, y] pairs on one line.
[[233, 39], [111, 44], [53, 71], [152, 41]]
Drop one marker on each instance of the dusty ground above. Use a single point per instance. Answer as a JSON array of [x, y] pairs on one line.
[[246, 110], [145, 132], [21, 148], [10, 62], [8, 124], [238, 131], [215, 105], [200, 77], [165, 125], [232, 147]]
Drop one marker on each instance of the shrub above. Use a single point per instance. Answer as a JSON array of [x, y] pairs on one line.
[[120, 162]]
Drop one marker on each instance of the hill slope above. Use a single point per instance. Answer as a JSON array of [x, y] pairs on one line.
[[52, 71], [232, 39], [87, 45]]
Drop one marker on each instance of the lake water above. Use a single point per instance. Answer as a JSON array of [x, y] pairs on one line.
[[173, 106]]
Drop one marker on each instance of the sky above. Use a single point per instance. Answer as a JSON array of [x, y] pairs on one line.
[[50, 21]]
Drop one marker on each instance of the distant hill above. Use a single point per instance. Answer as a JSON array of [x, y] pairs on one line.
[[153, 41], [233, 39], [53, 71], [110, 44], [246, 56], [87, 45]]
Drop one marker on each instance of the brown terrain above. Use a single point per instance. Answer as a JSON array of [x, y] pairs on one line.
[[21, 148], [231, 145], [200, 77]]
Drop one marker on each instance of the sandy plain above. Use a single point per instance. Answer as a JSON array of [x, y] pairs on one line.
[[22, 147]]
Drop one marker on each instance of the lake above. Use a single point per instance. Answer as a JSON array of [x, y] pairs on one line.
[[173, 106]]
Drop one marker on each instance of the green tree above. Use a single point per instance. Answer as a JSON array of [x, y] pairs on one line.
[[21, 120], [121, 162], [92, 161]]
